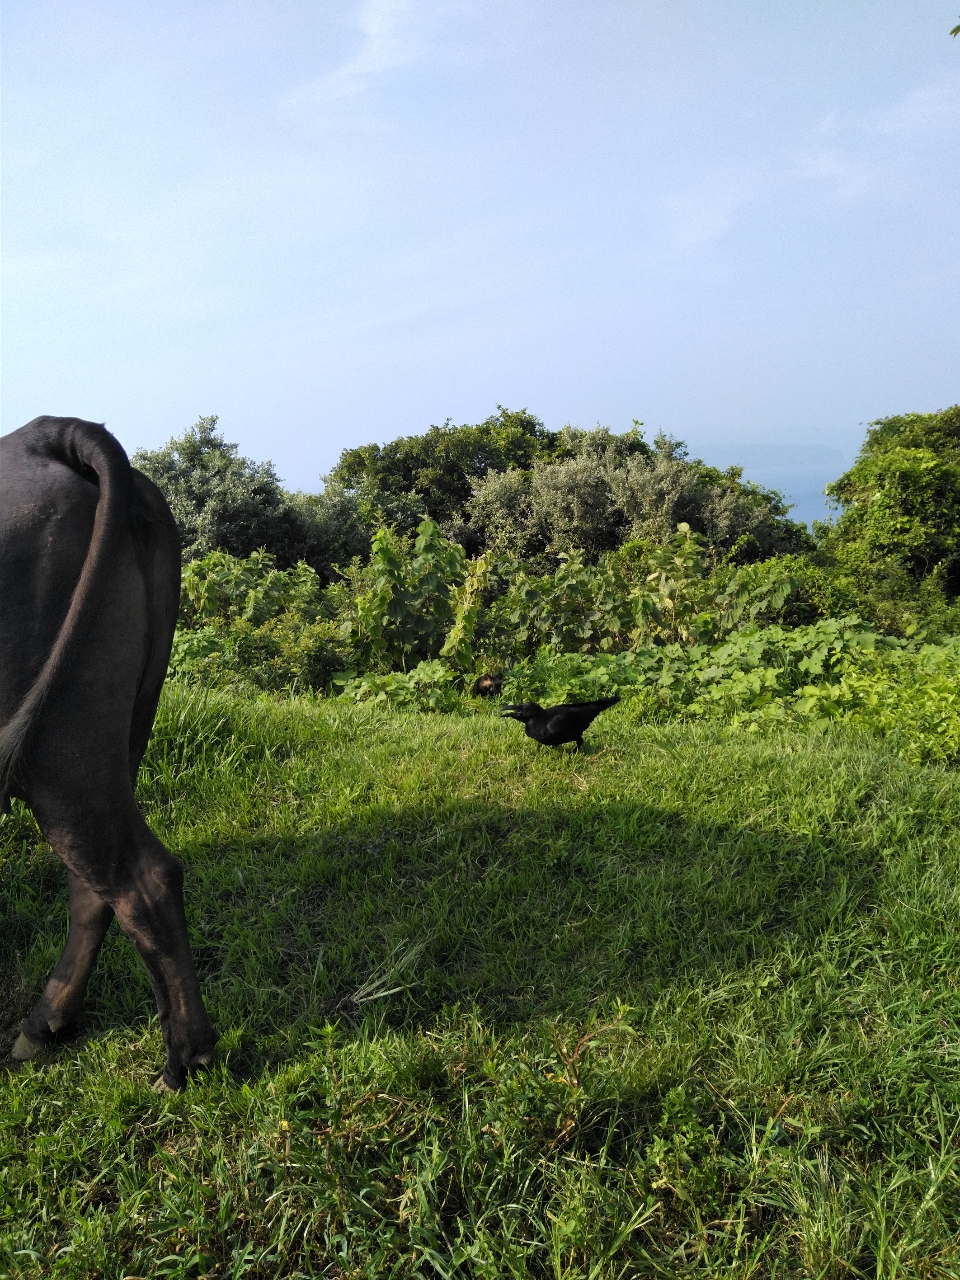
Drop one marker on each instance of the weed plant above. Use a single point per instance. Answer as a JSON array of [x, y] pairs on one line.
[[684, 1004]]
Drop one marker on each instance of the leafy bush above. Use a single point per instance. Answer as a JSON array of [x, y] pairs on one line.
[[835, 671], [641, 594], [550, 677], [911, 696], [652, 622], [895, 547], [745, 670], [901, 498], [221, 587], [283, 653], [243, 621], [420, 600], [397, 609], [882, 591], [558, 501]]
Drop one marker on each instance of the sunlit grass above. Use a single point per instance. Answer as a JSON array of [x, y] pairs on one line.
[[686, 1003]]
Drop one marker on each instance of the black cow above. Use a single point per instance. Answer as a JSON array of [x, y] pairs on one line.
[[89, 588]]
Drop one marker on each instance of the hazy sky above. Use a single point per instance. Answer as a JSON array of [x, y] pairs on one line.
[[331, 223]]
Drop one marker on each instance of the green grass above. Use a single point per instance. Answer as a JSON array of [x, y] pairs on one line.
[[686, 1004]]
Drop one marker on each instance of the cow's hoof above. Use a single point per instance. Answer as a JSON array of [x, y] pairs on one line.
[[162, 1085], [24, 1049]]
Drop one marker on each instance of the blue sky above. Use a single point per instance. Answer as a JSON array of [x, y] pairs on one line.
[[331, 223]]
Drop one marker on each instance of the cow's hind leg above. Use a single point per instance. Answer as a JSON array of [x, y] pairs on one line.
[[149, 909], [61, 1004], [115, 854]]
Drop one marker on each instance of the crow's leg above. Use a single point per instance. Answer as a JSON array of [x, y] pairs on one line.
[[60, 1006], [580, 744]]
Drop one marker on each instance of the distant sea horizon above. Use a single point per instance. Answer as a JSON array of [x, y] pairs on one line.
[[799, 469]]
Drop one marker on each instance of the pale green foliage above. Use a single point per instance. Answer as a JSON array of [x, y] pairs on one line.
[[467, 602], [911, 696], [430, 686], [636, 596], [743, 672], [836, 671], [604, 493], [226, 587], [680, 601]]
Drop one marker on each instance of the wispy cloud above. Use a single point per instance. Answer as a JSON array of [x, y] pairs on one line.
[[392, 37], [918, 111], [852, 151], [841, 175]]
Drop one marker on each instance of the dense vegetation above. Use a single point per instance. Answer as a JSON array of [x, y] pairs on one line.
[[684, 1004], [734, 611]]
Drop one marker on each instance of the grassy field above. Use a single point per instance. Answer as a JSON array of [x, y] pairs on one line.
[[685, 1004]]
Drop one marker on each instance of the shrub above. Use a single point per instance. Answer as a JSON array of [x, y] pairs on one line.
[[421, 600], [429, 686], [837, 671], [640, 594], [396, 610], [649, 623]]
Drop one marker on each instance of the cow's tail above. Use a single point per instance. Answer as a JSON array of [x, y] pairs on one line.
[[89, 449]]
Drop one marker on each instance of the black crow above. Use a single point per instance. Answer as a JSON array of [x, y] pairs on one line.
[[555, 725], [487, 686]]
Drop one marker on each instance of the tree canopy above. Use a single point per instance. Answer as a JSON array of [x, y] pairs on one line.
[[900, 501], [604, 489], [509, 482], [434, 474], [224, 502], [509, 486]]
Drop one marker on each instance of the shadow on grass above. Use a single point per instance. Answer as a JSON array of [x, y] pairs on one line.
[[523, 913]]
